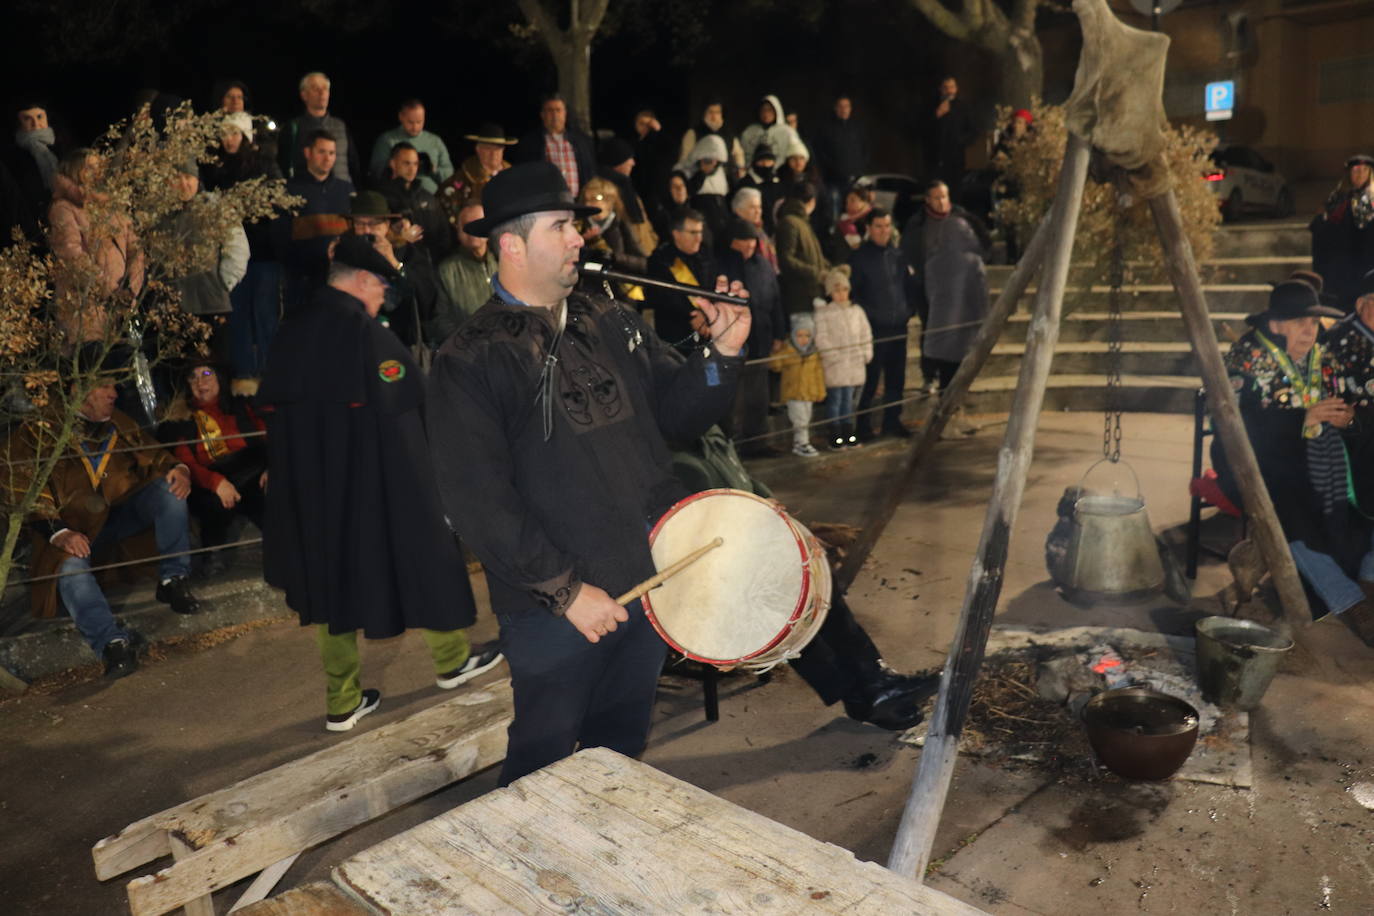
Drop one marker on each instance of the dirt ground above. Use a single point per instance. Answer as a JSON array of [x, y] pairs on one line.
[[84, 760]]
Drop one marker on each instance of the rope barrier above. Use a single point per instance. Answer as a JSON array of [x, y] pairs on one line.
[[154, 445], [139, 562]]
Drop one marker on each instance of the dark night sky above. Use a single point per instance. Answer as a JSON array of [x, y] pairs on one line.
[[881, 51]]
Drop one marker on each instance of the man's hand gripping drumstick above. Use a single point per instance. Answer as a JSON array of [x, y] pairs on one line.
[[595, 614]]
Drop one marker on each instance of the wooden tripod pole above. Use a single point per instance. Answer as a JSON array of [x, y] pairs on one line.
[[1221, 400], [916, 834], [953, 398]]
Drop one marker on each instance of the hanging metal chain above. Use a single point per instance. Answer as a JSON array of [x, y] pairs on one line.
[[1111, 423]]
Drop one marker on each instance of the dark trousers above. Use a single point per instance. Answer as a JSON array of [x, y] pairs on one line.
[[748, 418], [942, 370], [841, 659], [215, 519], [571, 693], [889, 364]]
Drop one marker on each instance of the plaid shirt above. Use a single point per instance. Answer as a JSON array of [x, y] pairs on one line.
[[559, 151]]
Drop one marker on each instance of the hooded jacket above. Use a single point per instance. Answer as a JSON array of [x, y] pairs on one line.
[[778, 135]]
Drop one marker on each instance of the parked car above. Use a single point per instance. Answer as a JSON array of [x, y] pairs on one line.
[[1245, 183]]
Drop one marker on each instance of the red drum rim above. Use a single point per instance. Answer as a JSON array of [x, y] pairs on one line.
[[803, 598]]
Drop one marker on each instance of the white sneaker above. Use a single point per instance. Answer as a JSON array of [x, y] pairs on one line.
[[469, 669], [805, 450], [346, 720]]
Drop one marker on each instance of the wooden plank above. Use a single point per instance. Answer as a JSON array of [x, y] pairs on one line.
[[199, 906], [318, 899], [921, 816], [247, 827], [1226, 419], [600, 833], [266, 880]]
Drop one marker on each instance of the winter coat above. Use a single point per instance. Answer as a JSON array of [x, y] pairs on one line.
[[778, 135], [465, 184], [673, 311], [801, 263], [768, 322], [421, 207], [803, 378], [467, 287], [353, 531], [702, 129], [206, 292], [882, 280], [841, 151], [947, 255], [531, 148], [845, 341], [267, 238], [67, 499], [112, 248]]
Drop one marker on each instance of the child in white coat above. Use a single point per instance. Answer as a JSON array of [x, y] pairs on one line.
[[845, 340]]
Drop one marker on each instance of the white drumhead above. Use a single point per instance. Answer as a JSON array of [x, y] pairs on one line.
[[740, 598]]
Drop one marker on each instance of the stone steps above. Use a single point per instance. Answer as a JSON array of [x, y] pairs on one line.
[[1158, 367]]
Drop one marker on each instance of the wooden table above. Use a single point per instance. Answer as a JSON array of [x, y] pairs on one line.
[[600, 833]]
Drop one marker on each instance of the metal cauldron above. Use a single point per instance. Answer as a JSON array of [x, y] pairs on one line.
[[1139, 733], [1111, 553]]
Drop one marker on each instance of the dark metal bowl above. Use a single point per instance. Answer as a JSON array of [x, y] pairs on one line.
[[1139, 733]]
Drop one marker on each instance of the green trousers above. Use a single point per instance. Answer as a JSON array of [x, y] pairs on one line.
[[343, 670]]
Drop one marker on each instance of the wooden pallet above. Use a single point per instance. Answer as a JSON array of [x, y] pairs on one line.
[[600, 833], [268, 819]]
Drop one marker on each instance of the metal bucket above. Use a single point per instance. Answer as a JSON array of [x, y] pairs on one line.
[[1139, 733], [1236, 660], [1112, 553]]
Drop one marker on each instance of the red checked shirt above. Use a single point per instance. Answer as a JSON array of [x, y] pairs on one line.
[[559, 151]]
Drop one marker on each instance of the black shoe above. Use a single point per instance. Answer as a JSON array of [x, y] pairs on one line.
[[864, 434], [897, 430], [837, 444], [892, 711], [342, 722], [469, 669], [121, 658], [177, 593], [213, 566]]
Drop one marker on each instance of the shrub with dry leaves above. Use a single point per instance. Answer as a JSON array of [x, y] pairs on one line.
[[1034, 164], [66, 317]]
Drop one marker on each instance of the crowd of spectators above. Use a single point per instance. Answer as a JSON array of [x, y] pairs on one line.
[[833, 284]]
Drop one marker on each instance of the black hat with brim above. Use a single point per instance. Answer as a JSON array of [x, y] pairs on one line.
[[1366, 286], [534, 187], [371, 204], [493, 133], [1293, 299], [358, 252]]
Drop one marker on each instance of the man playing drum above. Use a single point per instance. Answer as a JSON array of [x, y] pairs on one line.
[[548, 416]]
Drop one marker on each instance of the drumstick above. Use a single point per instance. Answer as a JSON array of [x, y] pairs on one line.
[[658, 579]]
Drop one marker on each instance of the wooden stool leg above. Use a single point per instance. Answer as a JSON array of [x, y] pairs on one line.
[[201, 906], [710, 681]]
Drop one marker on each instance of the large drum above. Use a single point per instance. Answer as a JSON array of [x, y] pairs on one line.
[[753, 602]]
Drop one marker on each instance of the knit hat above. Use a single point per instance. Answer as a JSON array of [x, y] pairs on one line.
[[803, 321], [797, 148], [1359, 159], [835, 278], [188, 166], [241, 122], [710, 146], [764, 151], [1023, 115], [739, 229]]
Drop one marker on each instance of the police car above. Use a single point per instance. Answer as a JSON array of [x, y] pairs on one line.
[[1245, 183]]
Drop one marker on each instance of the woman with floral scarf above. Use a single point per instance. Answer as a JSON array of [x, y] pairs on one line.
[[1288, 388]]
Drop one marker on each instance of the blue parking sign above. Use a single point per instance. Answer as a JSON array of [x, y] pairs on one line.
[[1219, 99]]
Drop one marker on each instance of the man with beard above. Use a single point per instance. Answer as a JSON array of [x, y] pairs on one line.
[[549, 411], [353, 532]]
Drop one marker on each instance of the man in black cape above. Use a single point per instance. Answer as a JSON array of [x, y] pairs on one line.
[[353, 530], [549, 410]]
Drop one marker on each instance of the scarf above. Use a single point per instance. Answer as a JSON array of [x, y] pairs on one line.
[[39, 145]]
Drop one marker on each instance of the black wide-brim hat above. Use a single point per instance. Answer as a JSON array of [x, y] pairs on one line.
[[534, 187], [357, 251], [493, 133], [1293, 299]]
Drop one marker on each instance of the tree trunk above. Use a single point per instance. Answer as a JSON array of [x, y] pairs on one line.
[[573, 58], [1023, 69]]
